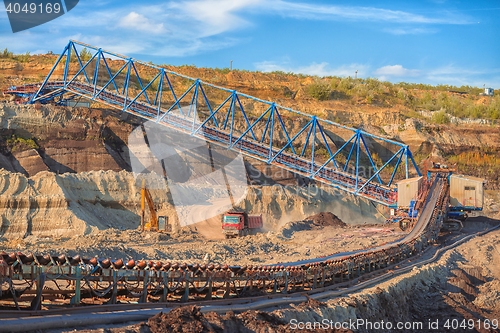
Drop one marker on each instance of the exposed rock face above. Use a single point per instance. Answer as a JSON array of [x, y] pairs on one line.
[[51, 205], [80, 156], [75, 140], [31, 162], [6, 163]]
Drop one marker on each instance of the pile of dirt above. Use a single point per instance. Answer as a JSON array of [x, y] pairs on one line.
[[313, 222], [311, 303], [292, 227], [325, 219], [191, 319], [184, 319]]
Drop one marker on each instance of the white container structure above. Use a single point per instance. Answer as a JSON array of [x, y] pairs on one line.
[[466, 192], [408, 190]]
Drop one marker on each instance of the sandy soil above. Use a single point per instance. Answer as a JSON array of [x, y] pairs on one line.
[[295, 241]]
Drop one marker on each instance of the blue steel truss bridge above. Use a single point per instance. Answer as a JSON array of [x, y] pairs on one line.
[[346, 158]]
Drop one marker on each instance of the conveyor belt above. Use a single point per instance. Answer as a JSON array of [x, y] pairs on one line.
[[104, 280]]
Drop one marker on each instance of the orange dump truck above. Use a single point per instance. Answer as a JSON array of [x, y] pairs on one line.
[[236, 224]]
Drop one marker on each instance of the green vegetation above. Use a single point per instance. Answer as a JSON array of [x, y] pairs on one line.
[[486, 157], [466, 106], [224, 70], [440, 117], [85, 55], [319, 90], [6, 54], [16, 143], [23, 57], [461, 102], [483, 162], [370, 91], [444, 100]]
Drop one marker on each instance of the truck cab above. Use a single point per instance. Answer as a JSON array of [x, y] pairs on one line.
[[233, 224], [236, 224]]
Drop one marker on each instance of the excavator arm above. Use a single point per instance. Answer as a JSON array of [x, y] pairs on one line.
[[152, 225]]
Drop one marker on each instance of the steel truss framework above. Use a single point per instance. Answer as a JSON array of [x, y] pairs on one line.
[[320, 149]]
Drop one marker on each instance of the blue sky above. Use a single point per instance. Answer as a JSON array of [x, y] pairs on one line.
[[427, 41]]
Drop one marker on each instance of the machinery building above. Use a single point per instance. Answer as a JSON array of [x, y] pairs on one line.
[[488, 92], [466, 192], [408, 190]]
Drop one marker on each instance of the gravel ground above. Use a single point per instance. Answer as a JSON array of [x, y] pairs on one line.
[[294, 241]]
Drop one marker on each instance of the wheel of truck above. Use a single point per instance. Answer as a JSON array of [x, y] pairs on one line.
[[452, 225], [404, 224]]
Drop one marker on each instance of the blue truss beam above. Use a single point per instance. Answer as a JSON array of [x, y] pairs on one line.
[[264, 135]]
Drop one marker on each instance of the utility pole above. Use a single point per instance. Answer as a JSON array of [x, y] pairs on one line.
[[356, 74], [231, 65]]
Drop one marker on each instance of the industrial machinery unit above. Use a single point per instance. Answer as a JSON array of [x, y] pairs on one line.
[[408, 191], [466, 194], [155, 223], [236, 224]]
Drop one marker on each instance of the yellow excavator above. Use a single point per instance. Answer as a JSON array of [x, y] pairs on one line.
[[155, 223]]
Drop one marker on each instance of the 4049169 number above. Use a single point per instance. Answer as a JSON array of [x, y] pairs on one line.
[[33, 8], [469, 324]]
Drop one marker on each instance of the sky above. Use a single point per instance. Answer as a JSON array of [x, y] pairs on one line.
[[426, 41]]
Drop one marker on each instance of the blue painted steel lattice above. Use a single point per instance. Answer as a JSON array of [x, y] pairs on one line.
[[346, 158]]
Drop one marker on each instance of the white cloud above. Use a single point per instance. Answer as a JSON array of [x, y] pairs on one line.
[[358, 13], [319, 69], [453, 70], [395, 71], [447, 74], [169, 33], [453, 75], [212, 17], [139, 22], [190, 27], [410, 31]]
